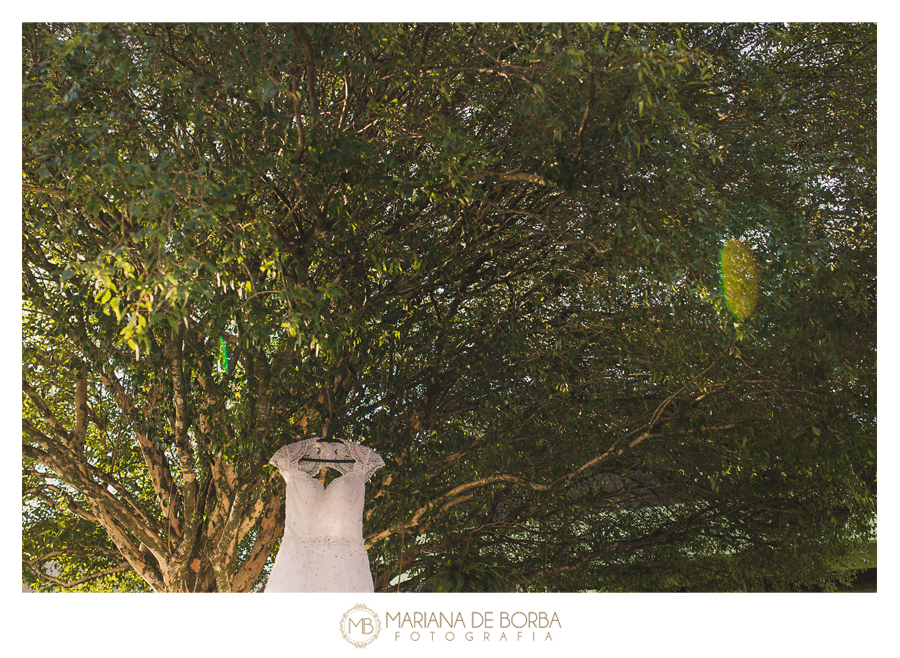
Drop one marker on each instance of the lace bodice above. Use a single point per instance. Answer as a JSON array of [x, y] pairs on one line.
[[287, 459], [322, 549]]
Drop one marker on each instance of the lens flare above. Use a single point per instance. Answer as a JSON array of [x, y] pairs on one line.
[[740, 279], [223, 355]]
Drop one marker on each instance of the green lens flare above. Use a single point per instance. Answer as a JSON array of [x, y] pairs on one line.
[[740, 279], [223, 355]]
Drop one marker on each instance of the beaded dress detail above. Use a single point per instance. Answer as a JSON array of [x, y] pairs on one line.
[[322, 549]]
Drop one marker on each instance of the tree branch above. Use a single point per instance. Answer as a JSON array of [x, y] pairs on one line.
[[270, 529], [79, 432], [75, 583], [45, 190], [182, 421], [42, 406]]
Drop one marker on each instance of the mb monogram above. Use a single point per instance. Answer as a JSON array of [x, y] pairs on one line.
[[360, 625]]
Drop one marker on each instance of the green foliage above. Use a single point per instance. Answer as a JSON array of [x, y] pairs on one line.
[[490, 252], [463, 571]]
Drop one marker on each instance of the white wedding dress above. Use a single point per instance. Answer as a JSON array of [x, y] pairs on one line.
[[322, 549]]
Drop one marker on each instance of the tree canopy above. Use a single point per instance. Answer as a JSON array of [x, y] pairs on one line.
[[602, 296]]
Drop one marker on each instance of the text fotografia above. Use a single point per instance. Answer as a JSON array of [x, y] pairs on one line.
[[481, 626]]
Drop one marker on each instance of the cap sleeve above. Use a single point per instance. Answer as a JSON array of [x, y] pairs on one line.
[[367, 460], [281, 461], [286, 456]]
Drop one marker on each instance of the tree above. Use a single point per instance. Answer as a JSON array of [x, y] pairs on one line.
[[489, 252]]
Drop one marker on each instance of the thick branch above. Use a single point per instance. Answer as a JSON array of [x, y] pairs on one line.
[[79, 432], [104, 506], [42, 406], [75, 583], [270, 529], [310, 69], [462, 493], [156, 461], [509, 177], [154, 573], [549, 571], [45, 190], [182, 421]]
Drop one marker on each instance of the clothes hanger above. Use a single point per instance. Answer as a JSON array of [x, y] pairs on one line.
[[326, 439]]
